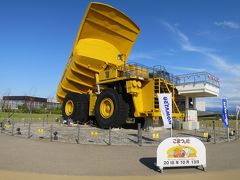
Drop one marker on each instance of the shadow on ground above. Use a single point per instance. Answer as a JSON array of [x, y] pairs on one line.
[[149, 162]]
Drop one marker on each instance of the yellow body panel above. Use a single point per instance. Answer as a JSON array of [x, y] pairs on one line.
[[136, 92], [108, 74], [92, 101], [104, 35], [144, 97]]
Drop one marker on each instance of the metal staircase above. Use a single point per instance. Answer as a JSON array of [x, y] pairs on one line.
[[157, 86], [161, 85]]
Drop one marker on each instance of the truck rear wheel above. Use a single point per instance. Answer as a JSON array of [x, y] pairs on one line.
[[75, 107], [110, 109]]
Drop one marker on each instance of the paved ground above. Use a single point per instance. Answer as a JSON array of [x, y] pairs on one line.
[[25, 155], [222, 175]]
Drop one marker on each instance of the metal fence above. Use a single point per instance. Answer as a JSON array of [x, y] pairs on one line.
[[79, 134], [89, 134], [218, 132]]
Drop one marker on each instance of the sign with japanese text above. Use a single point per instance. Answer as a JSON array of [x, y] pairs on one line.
[[180, 152]]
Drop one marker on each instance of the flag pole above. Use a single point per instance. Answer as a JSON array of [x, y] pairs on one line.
[[228, 134], [171, 133], [237, 128]]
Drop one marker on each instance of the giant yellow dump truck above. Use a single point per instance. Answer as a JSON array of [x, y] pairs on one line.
[[99, 83]]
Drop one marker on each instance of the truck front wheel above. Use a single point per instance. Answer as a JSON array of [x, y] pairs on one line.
[[75, 107], [110, 109]]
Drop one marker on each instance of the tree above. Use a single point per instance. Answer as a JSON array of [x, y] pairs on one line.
[[5, 106]]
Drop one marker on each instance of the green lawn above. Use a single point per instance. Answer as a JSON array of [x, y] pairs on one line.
[[27, 116], [218, 123]]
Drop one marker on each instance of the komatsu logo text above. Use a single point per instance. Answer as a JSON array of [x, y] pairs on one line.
[[166, 104]]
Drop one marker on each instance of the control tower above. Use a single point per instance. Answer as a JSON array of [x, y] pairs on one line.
[[192, 86]]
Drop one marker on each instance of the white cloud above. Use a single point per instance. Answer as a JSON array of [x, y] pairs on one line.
[[216, 103], [221, 64], [137, 56], [151, 55], [188, 69], [182, 36], [230, 73], [217, 61], [228, 24], [184, 41], [203, 33], [213, 103]]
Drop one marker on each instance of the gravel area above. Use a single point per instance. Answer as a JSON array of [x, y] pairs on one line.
[[87, 134]]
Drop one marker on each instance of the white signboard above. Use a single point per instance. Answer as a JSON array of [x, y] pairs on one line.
[[192, 115], [165, 104], [181, 152]]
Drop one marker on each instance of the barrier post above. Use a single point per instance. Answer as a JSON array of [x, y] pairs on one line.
[[12, 129], [29, 129], [139, 134], [214, 132], [2, 126], [47, 118], [237, 125], [228, 134], [109, 137], [78, 134], [43, 122], [51, 132]]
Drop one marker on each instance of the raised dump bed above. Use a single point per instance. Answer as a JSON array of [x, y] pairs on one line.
[[105, 37], [97, 81]]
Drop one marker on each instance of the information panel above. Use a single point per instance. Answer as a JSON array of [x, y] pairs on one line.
[[181, 152]]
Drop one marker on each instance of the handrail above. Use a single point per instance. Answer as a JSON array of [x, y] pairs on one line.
[[160, 71], [199, 77], [153, 72]]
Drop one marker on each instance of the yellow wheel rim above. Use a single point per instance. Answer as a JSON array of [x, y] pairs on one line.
[[106, 108], [69, 107]]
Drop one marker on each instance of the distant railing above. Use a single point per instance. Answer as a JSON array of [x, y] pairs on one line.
[[160, 71], [136, 69], [196, 78]]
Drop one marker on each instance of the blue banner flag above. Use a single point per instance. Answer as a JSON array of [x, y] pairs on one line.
[[224, 113]]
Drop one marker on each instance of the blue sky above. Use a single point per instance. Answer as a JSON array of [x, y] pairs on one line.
[[185, 36]]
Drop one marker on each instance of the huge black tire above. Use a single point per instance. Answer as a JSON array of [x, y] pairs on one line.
[[110, 109], [75, 107]]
